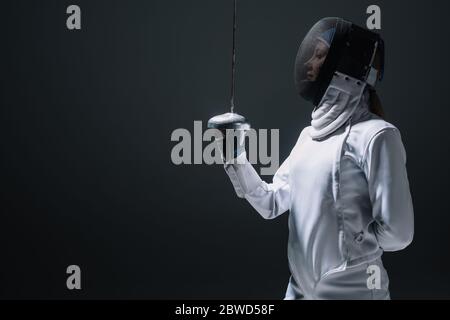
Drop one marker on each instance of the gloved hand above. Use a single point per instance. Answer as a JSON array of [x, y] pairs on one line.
[[231, 144]]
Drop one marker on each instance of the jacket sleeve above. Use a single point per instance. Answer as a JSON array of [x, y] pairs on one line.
[[392, 209], [269, 199]]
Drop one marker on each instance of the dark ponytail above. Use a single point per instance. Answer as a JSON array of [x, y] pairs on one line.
[[374, 101], [375, 104]]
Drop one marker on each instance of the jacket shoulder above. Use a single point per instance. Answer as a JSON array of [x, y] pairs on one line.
[[362, 133]]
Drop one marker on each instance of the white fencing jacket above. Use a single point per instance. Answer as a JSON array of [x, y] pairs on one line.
[[345, 184]]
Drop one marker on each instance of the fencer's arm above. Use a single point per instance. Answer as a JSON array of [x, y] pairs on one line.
[[269, 199], [385, 168]]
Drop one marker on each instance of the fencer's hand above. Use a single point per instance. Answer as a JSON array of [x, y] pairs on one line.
[[231, 144]]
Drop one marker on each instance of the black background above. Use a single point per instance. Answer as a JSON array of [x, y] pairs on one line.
[[86, 118]]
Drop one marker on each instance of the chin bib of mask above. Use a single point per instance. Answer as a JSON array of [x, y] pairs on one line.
[[342, 98]]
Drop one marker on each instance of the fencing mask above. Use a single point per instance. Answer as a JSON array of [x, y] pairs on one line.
[[336, 45]]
